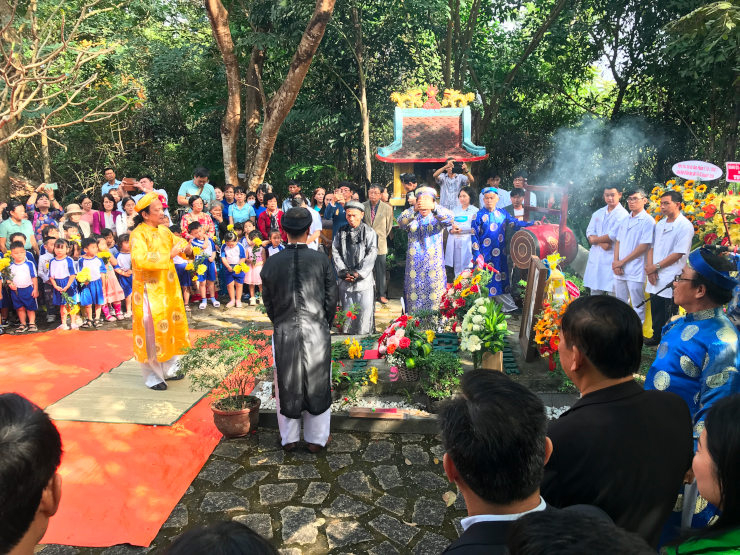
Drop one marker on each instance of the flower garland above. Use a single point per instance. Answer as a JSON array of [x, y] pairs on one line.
[[460, 295]]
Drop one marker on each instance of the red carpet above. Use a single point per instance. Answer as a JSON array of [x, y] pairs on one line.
[[119, 481]]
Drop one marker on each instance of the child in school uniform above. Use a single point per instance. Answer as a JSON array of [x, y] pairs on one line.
[[275, 245], [24, 288], [206, 281], [92, 296], [46, 290], [111, 288], [110, 241], [124, 271], [254, 252], [62, 280], [233, 255]]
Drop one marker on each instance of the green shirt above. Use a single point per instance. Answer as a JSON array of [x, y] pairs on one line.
[[8, 227], [729, 542]]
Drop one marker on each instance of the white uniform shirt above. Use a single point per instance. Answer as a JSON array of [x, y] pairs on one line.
[[316, 225], [670, 238], [23, 274], [95, 265], [124, 260], [233, 255], [634, 231], [599, 274], [60, 268]]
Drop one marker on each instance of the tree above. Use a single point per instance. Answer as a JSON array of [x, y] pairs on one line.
[[46, 72], [219, 18]]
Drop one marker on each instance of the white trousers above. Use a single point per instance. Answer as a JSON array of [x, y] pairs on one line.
[[506, 301], [155, 372], [632, 292], [595, 292], [315, 428]]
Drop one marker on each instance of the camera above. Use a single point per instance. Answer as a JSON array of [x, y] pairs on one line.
[[457, 167]]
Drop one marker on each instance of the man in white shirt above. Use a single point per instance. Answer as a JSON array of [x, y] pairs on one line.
[[314, 232], [110, 181], [496, 447], [450, 183], [602, 233], [520, 180], [666, 259], [634, 239], [146, 184]]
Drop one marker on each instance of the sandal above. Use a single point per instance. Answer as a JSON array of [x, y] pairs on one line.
[[98, 322], [110, 318], [87, 324], [32, 328], [21, 329]]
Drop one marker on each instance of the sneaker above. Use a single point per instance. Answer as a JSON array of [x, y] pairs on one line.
[[203, 304], [127, 315], [215, 303], [252, 301], [50, 318], [238, 304], [120, 316], [230, 304], [63, 327]]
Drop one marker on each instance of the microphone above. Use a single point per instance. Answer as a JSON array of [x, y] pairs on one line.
[[653, 294]]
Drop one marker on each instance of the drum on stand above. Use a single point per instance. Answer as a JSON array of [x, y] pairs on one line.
[[541, 240]]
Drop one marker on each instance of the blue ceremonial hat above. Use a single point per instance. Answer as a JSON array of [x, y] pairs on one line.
[[426, 191], [721, 279], [489, 190]]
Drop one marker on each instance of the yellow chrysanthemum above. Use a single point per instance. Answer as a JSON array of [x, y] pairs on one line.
[[83, 276], [257, 242], [430, 335], [373, 374], [197, 251], [201, 269], [189, 267], [230, 227], [237, 268], [4, 263]]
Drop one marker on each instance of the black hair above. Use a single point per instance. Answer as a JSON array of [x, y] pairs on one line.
[[571, 532], [675, 196], [221, 538], [637, 191], [192, 226], [61, 243], [254, 233], [268, 197], [87, 241], [495, 434], [125, 200], [200, 171], [31, 451], [264, 187], [723, 443], [108, 168], [716, 294], [41, 195], [249, 221], [124, 237], [348, 184], [294, 182], [240, 190], [520, 173], [107, 232], [297, 234], [147, 176], [227, 187], [469, 191], [230, 236], [83, 197], [17, 234], [192, 199], [13, 204], [108, 196], [449, 158], [298, 200], [607, 331], [47, 230], [252, 194], [239, 226], [494, 174], [16, 245], [516, 192], [377, 186]]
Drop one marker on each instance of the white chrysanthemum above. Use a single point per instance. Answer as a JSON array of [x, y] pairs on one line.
[[482, 309], [477, 319], [474, 343]]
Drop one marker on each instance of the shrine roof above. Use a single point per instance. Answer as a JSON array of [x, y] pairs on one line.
[[431, 135]]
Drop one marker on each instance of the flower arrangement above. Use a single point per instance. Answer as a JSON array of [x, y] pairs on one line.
[[404, 344], [72, 306], [483, 329], [547, 330], [720, 217], [350, 381], [237, 269], [256, 246], [695, 198], [354, 349], [83, 276], [460, 295], [5, 267], [343, 316], [104, 256]]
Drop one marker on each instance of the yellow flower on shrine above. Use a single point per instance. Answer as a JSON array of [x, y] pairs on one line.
[[372, 374], [465, 293], [430, 335], [476, 280], [701, 188]]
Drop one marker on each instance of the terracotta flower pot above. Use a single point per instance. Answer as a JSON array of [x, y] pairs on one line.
[[237, 423]]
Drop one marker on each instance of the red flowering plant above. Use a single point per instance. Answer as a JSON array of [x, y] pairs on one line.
[[344, 316], [404, 342], [461, 294]]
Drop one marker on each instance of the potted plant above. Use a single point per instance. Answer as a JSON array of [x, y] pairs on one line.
[[228, 363], [483, 332], [440, 373], [404, 343]]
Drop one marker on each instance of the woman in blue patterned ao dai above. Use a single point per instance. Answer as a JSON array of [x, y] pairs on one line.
[[425, 266], [489, 231]]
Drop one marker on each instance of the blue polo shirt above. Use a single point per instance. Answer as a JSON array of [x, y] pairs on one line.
[[208, 194], [8, 227], [241, 214]]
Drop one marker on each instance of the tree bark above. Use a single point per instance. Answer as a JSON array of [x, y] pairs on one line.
[[252, 103], [219, 18], [280, 104], [364, 113], [45, 160]]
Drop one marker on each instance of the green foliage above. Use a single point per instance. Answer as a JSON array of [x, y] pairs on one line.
[[439, 374]]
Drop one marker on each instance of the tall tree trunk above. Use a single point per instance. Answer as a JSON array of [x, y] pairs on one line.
[[252, 103], [219, 18], [5, 131], [279, 106], [364, 113], [622, 84], [45, 160]]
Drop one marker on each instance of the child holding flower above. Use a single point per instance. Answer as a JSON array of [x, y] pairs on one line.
[[62, 277], [254, 260], [111, 288], [24, 289], [91, 271], [233, 257], [205, 250], [124, 271]]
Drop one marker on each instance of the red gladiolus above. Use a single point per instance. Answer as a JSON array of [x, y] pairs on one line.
[[458, 286], [454, 326], [725, 241], [416, 323], [405, 343], [710, 238], [474, 289]]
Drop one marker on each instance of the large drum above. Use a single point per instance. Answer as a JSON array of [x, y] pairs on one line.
[[541, 240]]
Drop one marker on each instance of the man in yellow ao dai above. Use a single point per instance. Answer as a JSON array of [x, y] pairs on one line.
[[160, 327]]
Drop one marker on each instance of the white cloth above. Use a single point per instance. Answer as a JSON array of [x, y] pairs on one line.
[[458, 252], [504, 198], [470, 520], [44, 261], [315, 428], [61, 268], [122, 224], [124, 260], [599, 274], [316, 225], [634, 231], [94, 265], [233, 255], [153, 371], [23, 274], [632, 292], [449, 187], [670, 238], [108, 222]]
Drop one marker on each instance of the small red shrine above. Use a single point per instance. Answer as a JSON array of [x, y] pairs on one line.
[[428, 133]]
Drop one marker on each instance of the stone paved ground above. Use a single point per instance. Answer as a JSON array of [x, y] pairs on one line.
[[367, 493]]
